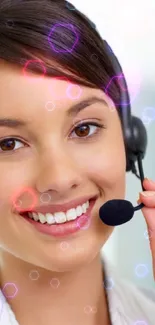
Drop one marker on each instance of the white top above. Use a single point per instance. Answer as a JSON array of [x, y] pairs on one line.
[[128, 304]]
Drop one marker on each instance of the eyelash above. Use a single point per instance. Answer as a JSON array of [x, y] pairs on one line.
[[98, 125]]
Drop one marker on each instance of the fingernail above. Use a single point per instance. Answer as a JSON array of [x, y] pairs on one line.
[[148, 193], [150, 181]]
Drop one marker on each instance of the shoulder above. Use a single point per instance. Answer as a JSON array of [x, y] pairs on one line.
[[129, 301], [149, 293]]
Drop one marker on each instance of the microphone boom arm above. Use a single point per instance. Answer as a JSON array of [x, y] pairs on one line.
[[141, 177]]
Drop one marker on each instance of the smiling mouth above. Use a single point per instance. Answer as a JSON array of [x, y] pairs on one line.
[[58, 217]]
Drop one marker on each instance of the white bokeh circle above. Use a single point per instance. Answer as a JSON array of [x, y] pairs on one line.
[[68, 91], [87, 220], [64, 245], [55, 283], [11, 284], [34, 275], [45, 194], [50, 106], [143, 273]]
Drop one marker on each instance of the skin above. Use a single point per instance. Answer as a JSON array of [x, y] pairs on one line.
[[59, 162]]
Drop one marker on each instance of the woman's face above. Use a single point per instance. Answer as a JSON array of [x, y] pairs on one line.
[[53, 158]]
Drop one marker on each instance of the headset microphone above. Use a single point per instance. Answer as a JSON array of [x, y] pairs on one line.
[[116, 212]]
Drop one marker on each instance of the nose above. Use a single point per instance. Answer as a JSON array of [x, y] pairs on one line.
[[58, 173]]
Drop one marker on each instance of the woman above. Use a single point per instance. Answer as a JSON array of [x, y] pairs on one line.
[[59, 162]]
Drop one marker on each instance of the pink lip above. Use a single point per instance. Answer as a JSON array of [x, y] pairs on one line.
[[52, 208], [64, 229]]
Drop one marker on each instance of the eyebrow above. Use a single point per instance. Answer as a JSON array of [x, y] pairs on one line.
[[74, 110], [85, 103]]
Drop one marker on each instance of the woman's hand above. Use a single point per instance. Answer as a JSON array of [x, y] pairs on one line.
[[149, 213]]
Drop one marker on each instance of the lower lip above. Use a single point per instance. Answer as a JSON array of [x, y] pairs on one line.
[[70, 227]]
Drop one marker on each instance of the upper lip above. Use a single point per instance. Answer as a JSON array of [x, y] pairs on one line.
[[52, 208]]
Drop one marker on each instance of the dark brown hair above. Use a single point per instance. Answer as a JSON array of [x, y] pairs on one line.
[[61, 37]]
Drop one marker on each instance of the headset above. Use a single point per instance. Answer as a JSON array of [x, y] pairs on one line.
[[135, 141]]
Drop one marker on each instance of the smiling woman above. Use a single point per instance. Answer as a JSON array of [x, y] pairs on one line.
[[73, 155]]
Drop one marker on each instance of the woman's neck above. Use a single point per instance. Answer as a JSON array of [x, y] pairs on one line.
[[43, 296]]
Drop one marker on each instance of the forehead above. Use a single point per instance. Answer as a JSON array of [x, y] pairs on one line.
[[14, 79], [20, 84], [30, 94]]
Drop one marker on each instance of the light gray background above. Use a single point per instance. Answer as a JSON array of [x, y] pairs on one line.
[[129, 28]]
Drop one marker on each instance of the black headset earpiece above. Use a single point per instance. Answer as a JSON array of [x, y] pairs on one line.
[[136, 144]]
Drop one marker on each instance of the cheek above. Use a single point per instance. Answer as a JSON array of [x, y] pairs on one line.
[[12, 179], [105, 165]]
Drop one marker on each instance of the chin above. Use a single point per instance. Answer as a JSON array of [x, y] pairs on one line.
[[70, 260]]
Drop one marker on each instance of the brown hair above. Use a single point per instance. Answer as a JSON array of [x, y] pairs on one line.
[[64, 39]]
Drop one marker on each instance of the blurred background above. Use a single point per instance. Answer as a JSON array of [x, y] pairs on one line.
[[129, 28]]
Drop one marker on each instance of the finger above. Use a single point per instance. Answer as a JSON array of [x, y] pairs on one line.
[[149, 184], [147, 198]]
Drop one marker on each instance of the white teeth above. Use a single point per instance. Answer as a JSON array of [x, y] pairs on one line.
[[84, 207], [35, 216], [50, 218], [59, 217], [79, 211], [30, 215], [71, 214], [87, 204], [42, 218]]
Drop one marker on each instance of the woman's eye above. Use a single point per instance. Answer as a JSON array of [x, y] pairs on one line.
[[9, 144], [87, 129]]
